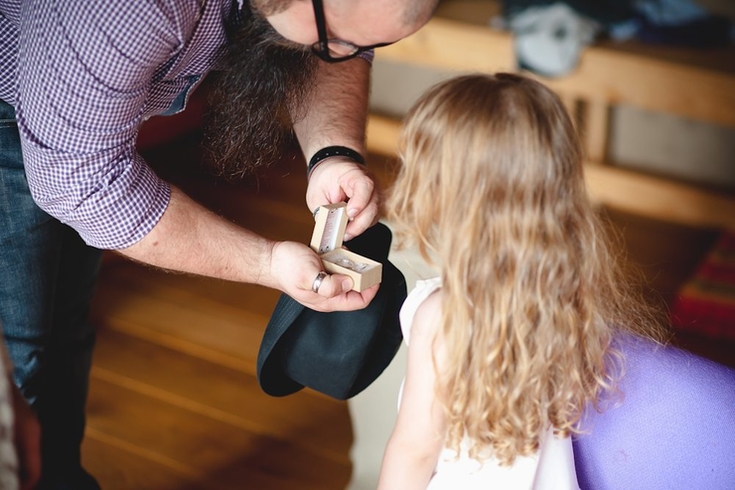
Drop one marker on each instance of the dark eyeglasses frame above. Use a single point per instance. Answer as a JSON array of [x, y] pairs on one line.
[[321, 47]]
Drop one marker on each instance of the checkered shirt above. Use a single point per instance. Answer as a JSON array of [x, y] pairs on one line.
[[82, 76]]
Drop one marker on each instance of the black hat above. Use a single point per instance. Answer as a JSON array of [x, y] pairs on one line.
[[337, 353]]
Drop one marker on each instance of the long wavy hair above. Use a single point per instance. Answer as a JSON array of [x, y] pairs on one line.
[[491, 190]]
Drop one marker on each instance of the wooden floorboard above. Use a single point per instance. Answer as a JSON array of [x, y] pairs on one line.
[[179, 312], [174, 403], [118, 466], [221, 393], [212, 446]]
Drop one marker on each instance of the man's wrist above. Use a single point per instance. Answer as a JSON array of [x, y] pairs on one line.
[[333, 151]]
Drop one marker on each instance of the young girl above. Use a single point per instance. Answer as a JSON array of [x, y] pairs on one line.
[[513, 341]]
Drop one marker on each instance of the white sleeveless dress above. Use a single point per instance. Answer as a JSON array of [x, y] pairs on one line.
[[551, 468]]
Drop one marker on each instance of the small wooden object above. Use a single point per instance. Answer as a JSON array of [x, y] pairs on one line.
[[329, 232]]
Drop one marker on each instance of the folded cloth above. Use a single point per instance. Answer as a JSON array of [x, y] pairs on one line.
[[338, 353], [550, 39], [706, 303]]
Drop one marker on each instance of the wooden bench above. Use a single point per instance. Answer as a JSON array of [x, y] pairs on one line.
[[687, 83]]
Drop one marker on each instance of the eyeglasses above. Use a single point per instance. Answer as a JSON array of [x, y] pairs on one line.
[[334, 50]]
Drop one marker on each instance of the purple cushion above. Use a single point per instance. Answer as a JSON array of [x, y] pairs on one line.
[[674, 429]]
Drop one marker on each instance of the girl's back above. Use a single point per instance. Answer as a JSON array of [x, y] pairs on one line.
[[551, 467]]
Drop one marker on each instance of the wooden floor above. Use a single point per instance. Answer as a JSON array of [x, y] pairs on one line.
[[174, 402]]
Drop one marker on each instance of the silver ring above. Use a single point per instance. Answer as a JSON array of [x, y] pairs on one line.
[[318, 281]]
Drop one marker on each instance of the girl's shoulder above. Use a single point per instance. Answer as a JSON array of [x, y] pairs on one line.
[[417, 299]]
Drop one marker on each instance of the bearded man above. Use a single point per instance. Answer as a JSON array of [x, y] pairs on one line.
[[77, 79]]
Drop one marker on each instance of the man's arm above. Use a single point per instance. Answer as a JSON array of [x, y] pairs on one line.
[[338, 109], [190, 238], [336, 115]]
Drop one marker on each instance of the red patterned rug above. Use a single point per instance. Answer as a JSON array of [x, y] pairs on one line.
[[706, 303]]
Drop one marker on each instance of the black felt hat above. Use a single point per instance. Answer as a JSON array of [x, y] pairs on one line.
[[337, 353]]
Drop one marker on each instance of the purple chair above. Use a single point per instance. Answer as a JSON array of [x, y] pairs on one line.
[[674, 429]]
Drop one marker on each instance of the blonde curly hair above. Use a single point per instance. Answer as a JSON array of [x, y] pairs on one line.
[[491, 190]]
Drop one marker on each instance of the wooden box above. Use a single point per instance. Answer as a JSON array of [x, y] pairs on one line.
[[329, 232]]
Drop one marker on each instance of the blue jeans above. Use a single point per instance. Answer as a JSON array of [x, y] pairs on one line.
[[47, 278]]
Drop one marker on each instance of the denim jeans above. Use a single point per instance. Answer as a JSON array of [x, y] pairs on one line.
[[47, 278]]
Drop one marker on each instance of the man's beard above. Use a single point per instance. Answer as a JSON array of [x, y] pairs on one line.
[[264, 88]]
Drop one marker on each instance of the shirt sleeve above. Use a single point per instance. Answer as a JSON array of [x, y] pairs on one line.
[[368, 55], [85, 70]]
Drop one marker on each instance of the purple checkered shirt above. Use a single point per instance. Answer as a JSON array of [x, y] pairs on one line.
[[82, 76]]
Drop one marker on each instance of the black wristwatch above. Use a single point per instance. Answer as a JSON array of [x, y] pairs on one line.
[[333, 151]]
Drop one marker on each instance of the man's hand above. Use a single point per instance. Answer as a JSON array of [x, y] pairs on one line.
[[339, 179], [295, 267]]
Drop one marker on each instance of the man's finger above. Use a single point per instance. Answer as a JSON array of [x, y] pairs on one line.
[[334, 285], [364, 220], [360, 191]]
